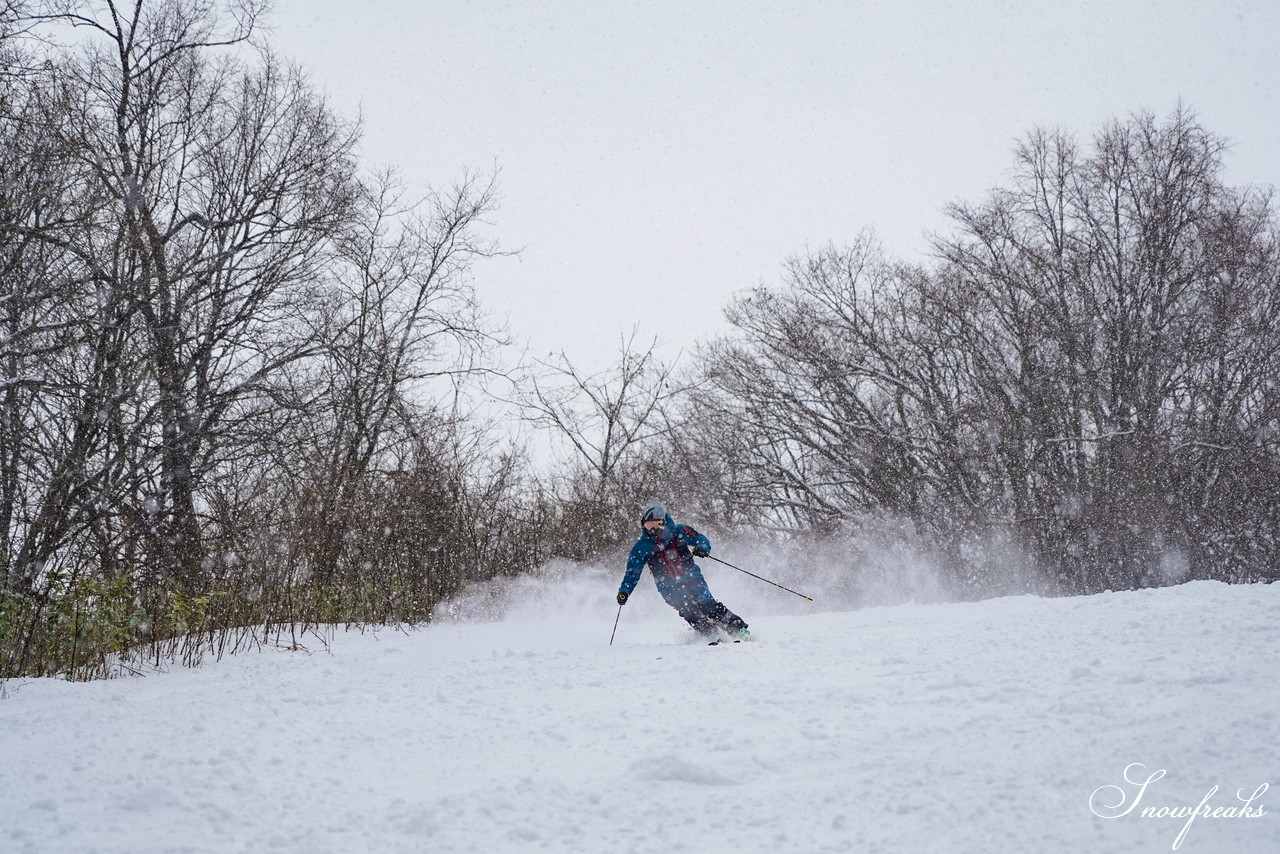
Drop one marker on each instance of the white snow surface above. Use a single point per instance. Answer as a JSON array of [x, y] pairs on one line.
[[976, 727]]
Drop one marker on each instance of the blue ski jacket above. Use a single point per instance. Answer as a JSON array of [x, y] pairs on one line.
[[669, 559]]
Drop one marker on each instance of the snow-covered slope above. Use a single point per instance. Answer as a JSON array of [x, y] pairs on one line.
[[980, 727]]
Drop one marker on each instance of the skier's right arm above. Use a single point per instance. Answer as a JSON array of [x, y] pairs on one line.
[[635, 565]]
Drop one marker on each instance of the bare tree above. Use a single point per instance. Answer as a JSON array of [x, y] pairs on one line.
[[222, 352], [222, 184], [1110, 294], [63, 346], [606, 420], [1089, 368], [175, 211], [404, 315], [839, 398]]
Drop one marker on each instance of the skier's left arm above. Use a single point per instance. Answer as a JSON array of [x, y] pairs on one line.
[[697, 543]]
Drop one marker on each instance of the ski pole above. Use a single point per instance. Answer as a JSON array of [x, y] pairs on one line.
[[615, 623], [753, 575]]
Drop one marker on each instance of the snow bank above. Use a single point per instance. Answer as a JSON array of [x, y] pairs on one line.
[[1003, 725]]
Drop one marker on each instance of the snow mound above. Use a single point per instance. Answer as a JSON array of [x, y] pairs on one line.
[[671, 767]]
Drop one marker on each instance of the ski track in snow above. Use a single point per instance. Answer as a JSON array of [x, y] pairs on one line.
[[976, 727]]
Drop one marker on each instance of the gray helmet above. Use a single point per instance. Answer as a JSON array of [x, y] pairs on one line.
[[653, 510]]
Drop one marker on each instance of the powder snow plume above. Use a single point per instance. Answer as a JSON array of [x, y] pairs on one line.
[[884, 564]]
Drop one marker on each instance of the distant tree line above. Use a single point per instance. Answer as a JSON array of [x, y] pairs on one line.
[[232, 362]]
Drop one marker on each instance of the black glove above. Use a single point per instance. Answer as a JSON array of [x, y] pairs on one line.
[[699, 551], [622, 598]]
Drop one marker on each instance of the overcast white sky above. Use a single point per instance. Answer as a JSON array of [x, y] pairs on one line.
[[657, 157]]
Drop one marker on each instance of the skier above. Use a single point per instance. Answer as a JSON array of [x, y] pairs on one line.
[[669, 550]]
